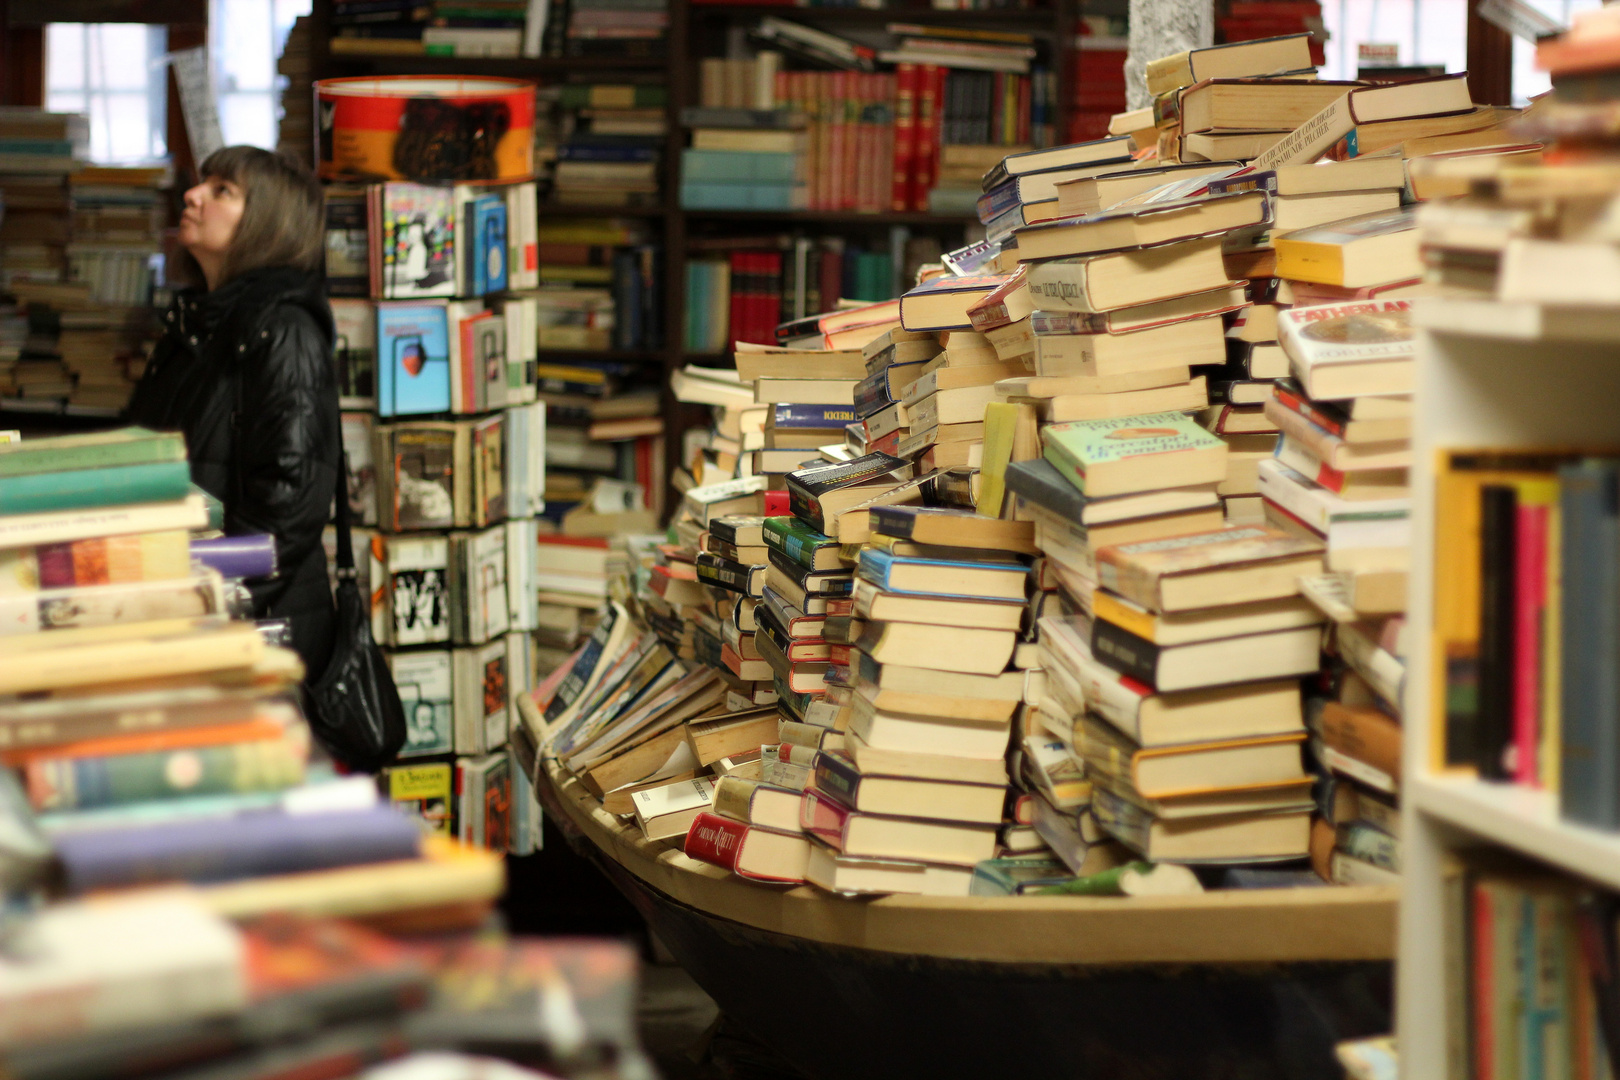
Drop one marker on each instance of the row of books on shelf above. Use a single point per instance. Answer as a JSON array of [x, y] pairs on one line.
[[746, 296], [849, 141], [460, 356], [400, 240], [497, 28]]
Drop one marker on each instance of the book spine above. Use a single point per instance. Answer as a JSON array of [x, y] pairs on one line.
[[1530, 580], [1366, 735], [70, 783], [837, 778], [715, 840], [1118, 648], [243, 557], [140, 451], [1589, 769], [1497, 622], [117, 485]]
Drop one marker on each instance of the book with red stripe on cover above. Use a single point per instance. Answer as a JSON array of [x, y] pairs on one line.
[[748, 851]]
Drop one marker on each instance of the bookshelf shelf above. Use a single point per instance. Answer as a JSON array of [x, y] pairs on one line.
[[826, 217], [634, 356], [1492, 320], [512, 67], [849, 16], [1520, 818], [1512, 377], [555, 210]]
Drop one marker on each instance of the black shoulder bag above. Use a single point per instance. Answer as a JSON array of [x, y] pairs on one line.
[[354, 707]]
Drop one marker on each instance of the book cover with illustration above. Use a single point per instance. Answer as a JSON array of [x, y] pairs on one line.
[[1087, 443], [418, 241], [422, 475], [348, 260], [417, 571], [486, 218], [1350, 333], [424, 683], [1145, 562], [413, 359], [354, 353], [423, 791]]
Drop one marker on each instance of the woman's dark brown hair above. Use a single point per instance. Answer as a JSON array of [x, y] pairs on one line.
[[283, 213]]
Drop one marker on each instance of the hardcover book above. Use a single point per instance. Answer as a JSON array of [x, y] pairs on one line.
[[424, 682], [358, 439], [413, 359]]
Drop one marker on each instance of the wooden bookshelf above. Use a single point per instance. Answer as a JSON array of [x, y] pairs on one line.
[[695, 30], [1509, 388]]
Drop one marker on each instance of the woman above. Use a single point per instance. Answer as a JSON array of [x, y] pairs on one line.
[[244, 370]]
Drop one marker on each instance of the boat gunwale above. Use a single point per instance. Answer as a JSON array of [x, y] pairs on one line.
[[1247, 926]]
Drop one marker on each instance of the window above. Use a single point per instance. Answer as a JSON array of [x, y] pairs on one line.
[[1424, 32], [1527, 81], [113, 73], [246, 38]]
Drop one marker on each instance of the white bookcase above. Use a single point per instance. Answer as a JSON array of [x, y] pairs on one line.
[[1489, 376]]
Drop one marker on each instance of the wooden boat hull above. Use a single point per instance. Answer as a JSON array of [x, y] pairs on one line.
[[1247, 986]]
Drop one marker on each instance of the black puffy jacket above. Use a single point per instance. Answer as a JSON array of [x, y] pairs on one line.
[[260, 345]]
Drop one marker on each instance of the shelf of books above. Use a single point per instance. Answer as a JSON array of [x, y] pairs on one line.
[[1511, 785]]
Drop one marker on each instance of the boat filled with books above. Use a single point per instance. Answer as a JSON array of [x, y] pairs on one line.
[[1033, 643]]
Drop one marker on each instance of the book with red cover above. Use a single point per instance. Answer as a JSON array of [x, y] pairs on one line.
[[748, 851], [905, 135]]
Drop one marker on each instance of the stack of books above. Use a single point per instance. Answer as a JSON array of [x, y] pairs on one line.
[[1021, 189], [76, 249], [485, 28], [113, 610], [609, 143]]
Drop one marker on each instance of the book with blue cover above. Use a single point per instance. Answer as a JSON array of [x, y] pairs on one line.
[[486, 247], [813, 417], [976, 580], [413, 359]]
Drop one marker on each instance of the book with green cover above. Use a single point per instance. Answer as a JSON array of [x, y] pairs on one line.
[[1124, 455], [801, 543], [97, 450], [118, 485]]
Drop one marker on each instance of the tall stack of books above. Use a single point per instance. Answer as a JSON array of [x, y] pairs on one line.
[[42, 149]]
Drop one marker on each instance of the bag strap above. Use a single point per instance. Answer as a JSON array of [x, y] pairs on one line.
[[345, 543]]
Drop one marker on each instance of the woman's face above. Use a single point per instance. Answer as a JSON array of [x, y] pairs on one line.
[[213, 211]]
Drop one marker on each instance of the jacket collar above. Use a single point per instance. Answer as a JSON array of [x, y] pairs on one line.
[[200, 312]]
